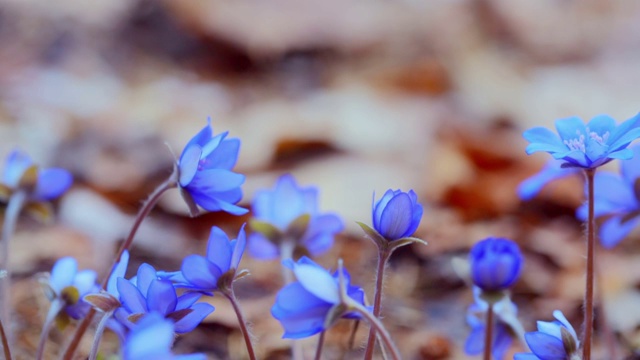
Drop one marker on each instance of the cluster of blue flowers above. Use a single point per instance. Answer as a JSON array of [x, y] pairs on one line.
[[147, 310]]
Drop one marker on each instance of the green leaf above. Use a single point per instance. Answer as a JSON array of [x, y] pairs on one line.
[[103, 301], [375, 236], [272, 233], [404, 242], [240, 274]]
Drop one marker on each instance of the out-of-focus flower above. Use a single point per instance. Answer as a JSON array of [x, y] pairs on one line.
[[289, 213], [41, 184], [397, 214], [507, 322], [146, 293], [555, 340], [302, 307], [152, 338], [205, 175], [496, 264], [215, 270], [553, 170], [618, 197], [68, 286], [585, 146]]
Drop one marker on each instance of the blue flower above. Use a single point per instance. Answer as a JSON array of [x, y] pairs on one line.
[[47, 184], [496, 264], [146, 293], [68, 285], [618, 197], [505, 311], [152, 338], [547, 343], [205, 174], [280, 208], [303, 306], [552, 171], [204, 273], [397, 214], [585, 146]]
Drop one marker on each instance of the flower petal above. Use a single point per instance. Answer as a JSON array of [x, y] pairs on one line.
[[201, 272], [16, 164], [161, 297], [394, 221], [130, 297], [146, 274], [545, 346], [62, 274], [194, 318], [224, 156], [52, 183], [219, 249], [118, 272], [188, 164], [543, 139], [317, 281], [261, 248], [614, 230], [238, 248], [571, 128], [215, 180]]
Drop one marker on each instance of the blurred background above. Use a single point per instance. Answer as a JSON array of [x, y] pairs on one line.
[[352, 96]]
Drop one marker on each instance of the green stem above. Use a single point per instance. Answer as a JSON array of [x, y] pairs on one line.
[[14, 207], [588, 299], [229, 294], [56, 306], [5, 343], [98, 336], [383, 257], [319, 346], [488, 332], [170, 183]]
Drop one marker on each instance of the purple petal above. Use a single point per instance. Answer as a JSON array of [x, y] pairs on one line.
[[318, 282], [118, 272], [523, 356], [571, 128], [396, 217], [215, 180], [187, 300], [85, 281], [200, 272], [529, 188], [131, 298], [62, 274], [474, 344], [379, 206], [630, 169], [301, 313], [624, 133], [151, 338], [161, 297], [188, 165], [219, 249], [614, 230], [194, 318], [16, 164], [52, 183], [202, 137], [146, 274], [545, 346], [238, 248], [224, 156], [543, 139], [261, 248]]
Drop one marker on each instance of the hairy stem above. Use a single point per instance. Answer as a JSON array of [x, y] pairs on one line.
[[588, 297], [488, 333], [98, 336], [54, 310], [383, 257], [319, 346], [170, 183], [5, 342], [16, 202], [229, 294], [377, 325]]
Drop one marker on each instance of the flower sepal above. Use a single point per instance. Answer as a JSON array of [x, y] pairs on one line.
[[298, 227], [29, 179], [191, 204], [335, 313], [384, 244], [493, 297], [103, 301], [569, 343], [40, 211], [266, 229], [179, 314]]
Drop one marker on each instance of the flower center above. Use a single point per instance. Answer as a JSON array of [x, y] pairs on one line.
[[578, 143]]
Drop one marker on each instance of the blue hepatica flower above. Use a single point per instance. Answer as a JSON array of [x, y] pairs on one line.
[[67, 286], [146, 293], [397, 214], [547, 343], [204, 273], [205, 172], [506, 312], [552, 171], [585, 146], [496, 264], [618, 197], [303, 306], [152, 338], [280, 208], [48, 184]]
